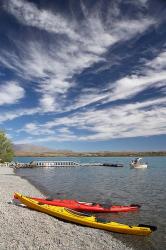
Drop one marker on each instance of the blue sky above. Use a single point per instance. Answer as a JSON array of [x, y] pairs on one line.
[[84, 75]]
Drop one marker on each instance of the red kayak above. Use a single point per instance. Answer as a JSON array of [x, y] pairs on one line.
[[86, 206]]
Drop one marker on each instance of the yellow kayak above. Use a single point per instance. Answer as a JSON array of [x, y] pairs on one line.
[[84, 219]]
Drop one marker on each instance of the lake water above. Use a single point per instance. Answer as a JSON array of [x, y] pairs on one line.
[[121, 186]]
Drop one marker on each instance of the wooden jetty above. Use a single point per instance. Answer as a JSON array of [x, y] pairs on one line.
[[46, 164]]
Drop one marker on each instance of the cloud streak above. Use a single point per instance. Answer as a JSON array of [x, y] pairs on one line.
[[131, 120], [28, 14], [153, 75], [11, 115]]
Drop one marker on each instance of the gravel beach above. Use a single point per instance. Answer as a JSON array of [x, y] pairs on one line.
[[22, 228]]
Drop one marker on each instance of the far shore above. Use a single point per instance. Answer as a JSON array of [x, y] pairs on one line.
[[89, 154], [22, 228]]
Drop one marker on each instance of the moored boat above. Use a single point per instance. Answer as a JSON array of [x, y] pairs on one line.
[[138, 163], [84, 219]]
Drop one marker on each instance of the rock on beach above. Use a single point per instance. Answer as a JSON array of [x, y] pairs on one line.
[[22, 228]]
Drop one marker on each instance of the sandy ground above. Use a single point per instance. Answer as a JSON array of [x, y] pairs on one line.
[[22, 228]]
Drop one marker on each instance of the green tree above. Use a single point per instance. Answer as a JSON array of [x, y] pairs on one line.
[[6, 149]]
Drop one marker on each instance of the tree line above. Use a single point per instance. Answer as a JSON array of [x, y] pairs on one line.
[[6, 148]]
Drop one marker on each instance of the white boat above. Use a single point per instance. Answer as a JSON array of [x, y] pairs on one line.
[[138, 163]]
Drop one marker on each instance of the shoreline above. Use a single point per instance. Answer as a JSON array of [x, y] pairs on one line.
[[22, 228], [76, 155]]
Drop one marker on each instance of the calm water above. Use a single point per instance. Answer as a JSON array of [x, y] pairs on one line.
[[122, 186]]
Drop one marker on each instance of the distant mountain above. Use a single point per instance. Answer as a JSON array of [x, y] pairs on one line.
[[31, 148], [34, 150]]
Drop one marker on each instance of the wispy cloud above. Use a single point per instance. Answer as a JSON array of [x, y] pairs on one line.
[[130, 120], [11, 115], [33, 129], [28, 14], [10, 93], [55, 64], [152, 75]]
